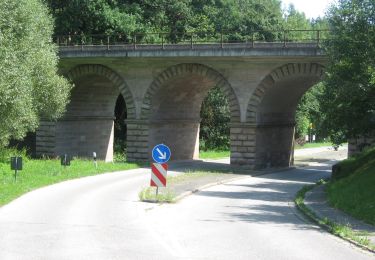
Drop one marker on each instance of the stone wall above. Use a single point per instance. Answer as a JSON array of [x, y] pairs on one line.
[[81, 137], [274, 146], [242, 144], [357, 145], [137, 140], [46, 139]]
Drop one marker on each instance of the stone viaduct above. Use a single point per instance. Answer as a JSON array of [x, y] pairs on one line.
[[164, 89]]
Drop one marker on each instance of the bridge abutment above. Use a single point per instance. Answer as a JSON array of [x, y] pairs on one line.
[[137, 148], [242, 144], [274, 146], [182, 136], [82, 136], [46, 139]]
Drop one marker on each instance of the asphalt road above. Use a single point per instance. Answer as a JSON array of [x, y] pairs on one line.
[[100, 218]]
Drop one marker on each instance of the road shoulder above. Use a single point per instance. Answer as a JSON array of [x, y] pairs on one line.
[[316, 201]]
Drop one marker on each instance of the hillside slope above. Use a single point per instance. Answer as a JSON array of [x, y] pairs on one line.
[[355, 192]]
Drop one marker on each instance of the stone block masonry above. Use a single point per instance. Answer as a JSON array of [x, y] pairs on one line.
[[164, 91]]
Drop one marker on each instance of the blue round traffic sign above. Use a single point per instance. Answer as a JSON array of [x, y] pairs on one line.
[[161, 153]]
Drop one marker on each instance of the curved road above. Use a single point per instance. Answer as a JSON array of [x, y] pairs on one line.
[[100, 218]]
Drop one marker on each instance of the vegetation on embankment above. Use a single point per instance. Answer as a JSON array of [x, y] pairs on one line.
[[352, 187], [39, 173]]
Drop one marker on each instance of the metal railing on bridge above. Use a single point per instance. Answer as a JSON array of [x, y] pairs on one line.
[[193, 40]]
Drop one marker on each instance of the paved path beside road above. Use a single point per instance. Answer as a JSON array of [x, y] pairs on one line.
[[316, 200]]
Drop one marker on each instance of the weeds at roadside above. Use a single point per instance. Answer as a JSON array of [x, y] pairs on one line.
[[164, 195]]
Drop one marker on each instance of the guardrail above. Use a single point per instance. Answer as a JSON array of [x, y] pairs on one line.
[[194, 39]]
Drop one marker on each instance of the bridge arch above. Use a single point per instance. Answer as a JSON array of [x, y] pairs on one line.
[[118, 82], [271, 111], [173, 102], [210, 77], [292, 78], [88, 123]]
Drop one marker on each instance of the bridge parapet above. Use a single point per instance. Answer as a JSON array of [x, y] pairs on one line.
[[294, 42]]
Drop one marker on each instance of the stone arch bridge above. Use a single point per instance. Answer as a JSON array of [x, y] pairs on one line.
[[164, 88]]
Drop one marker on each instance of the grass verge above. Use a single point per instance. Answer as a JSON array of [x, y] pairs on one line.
[[213, 154], [353, 188], [343, 231], [164, 195], [312, 145], [39, 173], [168, 195]]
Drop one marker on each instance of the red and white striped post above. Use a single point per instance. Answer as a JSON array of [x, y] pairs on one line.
[[158, 175]]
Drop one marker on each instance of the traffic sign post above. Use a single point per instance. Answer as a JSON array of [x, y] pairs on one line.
[[158, 175], [160, 154], [65, 160], [16, 165]]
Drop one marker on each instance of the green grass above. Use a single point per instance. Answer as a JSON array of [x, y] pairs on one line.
[[164, 195], [355, 194], [213, 154], [312, 145], [39, 173]]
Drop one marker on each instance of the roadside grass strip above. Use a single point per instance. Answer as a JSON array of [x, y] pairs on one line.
[[40, 173], [165, 195], [168, 194], [343, 231], [312, 145]]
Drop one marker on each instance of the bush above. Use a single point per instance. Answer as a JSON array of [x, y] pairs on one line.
[[6, 153]]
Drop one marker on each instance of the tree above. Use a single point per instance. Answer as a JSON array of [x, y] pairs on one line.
[[215, 114], [349, 95], [94, 17], [295, 20], [309, 112], [30, 89]]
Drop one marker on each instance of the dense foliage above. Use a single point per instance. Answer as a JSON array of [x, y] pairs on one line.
[[176, 17], [350, 82], [215, 114], [309, 114], [29, 86]]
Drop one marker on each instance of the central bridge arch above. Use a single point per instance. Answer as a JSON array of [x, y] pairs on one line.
[[172, 106]]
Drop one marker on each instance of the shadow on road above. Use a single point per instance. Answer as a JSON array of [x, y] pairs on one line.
[[269, 197]]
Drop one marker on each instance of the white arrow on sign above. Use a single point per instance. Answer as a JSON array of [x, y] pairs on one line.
[[162, 156]]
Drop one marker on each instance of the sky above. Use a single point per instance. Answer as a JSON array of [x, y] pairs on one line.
[[311, 8]]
